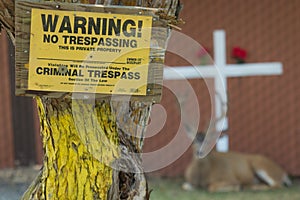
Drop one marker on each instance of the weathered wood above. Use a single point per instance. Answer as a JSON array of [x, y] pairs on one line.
[[159, 37], [7, 16], [91, 149], [73, 164]]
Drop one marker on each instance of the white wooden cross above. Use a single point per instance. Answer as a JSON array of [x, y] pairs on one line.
[[220, 72]]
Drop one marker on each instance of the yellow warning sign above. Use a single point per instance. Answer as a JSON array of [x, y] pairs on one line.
[[74, 51]]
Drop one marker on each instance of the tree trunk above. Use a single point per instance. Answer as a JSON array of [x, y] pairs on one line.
[[86, 150], [92, 148]]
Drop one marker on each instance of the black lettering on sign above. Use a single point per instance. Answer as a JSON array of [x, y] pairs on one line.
[[79, 23], [65, 25], [91, 25], [49, 23], [128, 28]]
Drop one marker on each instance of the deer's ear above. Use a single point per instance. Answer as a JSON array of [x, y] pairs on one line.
[[200, 136]]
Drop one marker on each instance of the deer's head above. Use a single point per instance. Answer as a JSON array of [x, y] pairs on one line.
[[197, 144], [205, 141]]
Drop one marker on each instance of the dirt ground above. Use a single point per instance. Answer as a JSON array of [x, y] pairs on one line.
[[14, 182]]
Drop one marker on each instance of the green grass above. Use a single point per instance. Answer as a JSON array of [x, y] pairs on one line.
[[170, 189]]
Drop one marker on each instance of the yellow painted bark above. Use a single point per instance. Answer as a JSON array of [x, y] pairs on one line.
[[92, 150], [71, 169]]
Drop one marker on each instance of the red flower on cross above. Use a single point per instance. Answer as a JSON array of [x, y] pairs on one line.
[[239, 54]]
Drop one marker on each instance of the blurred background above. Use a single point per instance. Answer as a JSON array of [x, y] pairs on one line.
[[263, 111]]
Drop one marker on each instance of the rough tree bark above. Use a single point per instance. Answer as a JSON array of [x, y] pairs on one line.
[[91, 148]]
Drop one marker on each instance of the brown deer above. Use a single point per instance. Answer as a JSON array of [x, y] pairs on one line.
[[231, 171]]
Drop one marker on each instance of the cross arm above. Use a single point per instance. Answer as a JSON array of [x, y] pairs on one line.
[[231, 70]]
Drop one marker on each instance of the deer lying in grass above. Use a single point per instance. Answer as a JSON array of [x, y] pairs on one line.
[[231, 171]]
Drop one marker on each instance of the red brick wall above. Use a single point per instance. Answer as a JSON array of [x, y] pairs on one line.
[[20, 143], [263, 111], [6, 129]]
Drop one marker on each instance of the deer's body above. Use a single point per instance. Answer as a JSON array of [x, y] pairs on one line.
[[232, 171], [229, 171]]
